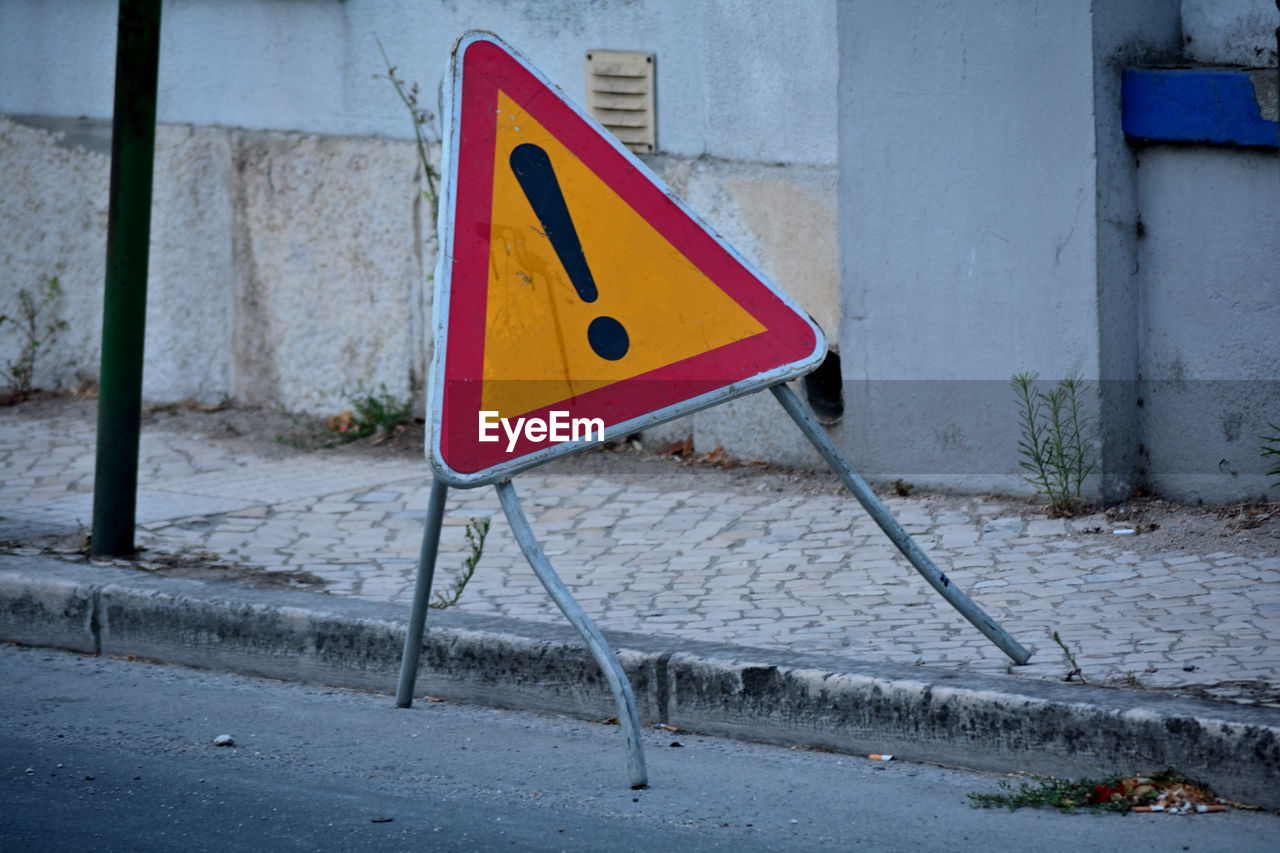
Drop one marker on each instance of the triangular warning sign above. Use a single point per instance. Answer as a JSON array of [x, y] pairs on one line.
[[576, 298]]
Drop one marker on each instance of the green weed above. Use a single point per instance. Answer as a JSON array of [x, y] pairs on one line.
[[1271, 447], [38, 333], [1055, 442], [1075, 672], [408, 94], [1065, 795], [372, 413], [1166, 791], [477, 530]]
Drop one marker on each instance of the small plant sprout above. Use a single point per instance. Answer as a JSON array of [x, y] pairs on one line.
[[1055, 446], [408, 94], [372, 413], [38, 331], [477, 530], [1271, 448], [1075, 672]]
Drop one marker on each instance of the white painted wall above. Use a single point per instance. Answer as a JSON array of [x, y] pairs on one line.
[[1230, 32], [1210, 268], [1125, 33], [967, 210], [747, 80], [290, 247], [1208, 273], [989, 225]]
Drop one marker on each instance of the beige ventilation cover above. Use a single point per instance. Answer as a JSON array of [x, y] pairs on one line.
[[620, 96]]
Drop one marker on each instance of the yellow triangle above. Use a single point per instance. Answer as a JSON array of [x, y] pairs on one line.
[[536, 351]]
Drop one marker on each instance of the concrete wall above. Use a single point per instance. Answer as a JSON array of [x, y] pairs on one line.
[[242, 299], [1206, 264], [990, 214], [968, 200], [994, 219], [1210, 269], [726, 71], [291, 248], [1230, 32], [1126, 33]]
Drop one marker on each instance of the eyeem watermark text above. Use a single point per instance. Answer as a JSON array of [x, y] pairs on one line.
[[557, 427]]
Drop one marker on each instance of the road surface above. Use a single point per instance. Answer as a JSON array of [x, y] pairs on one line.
[[105, 754]]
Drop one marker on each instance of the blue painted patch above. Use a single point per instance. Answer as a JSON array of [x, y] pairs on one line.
[[1194, 105]]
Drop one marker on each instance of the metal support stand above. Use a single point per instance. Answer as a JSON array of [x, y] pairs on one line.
[[881, 515], [421, 594], [627, 715]]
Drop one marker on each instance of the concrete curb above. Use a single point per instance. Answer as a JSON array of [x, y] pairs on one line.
[[915, 713]]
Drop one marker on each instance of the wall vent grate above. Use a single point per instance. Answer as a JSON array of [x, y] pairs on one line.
[[620, 96]]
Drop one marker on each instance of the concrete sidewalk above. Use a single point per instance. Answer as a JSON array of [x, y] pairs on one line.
[[784, 584]]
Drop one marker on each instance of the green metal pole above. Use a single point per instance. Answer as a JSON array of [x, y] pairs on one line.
[[133, 142]]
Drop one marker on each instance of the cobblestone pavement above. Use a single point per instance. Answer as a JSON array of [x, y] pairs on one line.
[[780, 570]]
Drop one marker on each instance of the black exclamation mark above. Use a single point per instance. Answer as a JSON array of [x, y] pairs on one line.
[[532, 168]]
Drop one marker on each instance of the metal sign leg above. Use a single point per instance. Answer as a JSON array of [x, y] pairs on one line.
[[881, 515], [600, 650], [421, 594]]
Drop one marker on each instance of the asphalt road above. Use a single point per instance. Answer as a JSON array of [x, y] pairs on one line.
[[106, 754]]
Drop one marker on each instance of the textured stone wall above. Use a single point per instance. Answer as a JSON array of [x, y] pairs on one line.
[[284, 268]]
